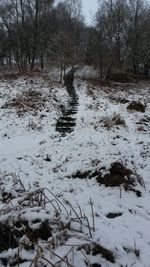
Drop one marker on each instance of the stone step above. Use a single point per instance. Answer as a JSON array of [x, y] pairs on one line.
[[65, 118], [64, 130], [70, 112], [65, 124]]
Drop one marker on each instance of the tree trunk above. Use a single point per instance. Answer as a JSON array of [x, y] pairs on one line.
[[35, 39], [42, 61]]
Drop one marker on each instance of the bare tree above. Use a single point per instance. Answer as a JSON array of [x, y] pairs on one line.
[[38, 32], [137, 13]]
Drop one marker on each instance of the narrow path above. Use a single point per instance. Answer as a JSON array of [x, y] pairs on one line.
[[67, 122]]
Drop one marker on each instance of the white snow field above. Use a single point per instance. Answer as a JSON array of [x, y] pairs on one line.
[[46, 177]]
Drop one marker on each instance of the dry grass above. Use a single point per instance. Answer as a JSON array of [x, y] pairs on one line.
[[136, 106], [121, 77], [118, 175], [51, 225], [141, 129], [27, 101], [115, 120], [98, 82], [13, 73]]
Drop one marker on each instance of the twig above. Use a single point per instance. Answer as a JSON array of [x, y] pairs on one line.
[[93, 219], [62, 258], [57, 200], [80, 210], [21, 183], [86, 257], [88, 226], [35, 259], [18, 256], [120, 192], [74, 210], [50, 201], [43, 258]]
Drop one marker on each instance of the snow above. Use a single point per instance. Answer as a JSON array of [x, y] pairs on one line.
[[89, 146]]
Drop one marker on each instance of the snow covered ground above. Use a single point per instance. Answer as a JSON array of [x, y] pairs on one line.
[[31, 149]]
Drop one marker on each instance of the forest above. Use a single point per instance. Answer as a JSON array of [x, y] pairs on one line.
[[39, 32]]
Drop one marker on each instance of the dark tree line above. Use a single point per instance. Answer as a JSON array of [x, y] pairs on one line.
[[21, 26], [38, 32], [123, 30]]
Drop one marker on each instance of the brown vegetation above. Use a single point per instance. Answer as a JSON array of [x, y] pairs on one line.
[[117, 176], [121, 77], [136, 106], [27, 101], [110, 122]]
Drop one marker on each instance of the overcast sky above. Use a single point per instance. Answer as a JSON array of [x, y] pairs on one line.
[[89, 7]]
